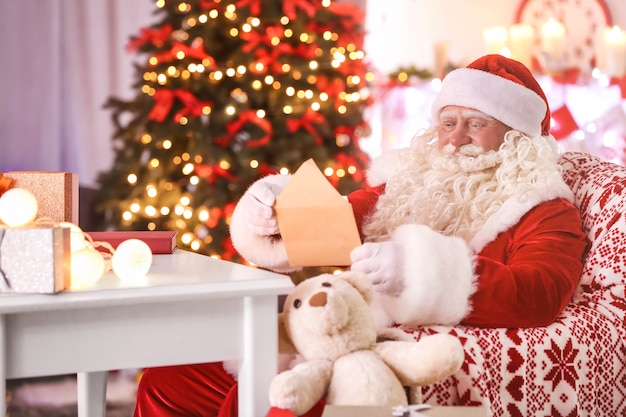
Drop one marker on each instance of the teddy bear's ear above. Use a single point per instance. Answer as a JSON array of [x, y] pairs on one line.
[[359, 281], [284, 342]]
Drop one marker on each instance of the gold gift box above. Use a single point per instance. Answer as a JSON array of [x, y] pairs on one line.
[[56, 193], [34, 259]]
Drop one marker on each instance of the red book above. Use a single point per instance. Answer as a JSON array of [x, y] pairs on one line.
[[159, 241]]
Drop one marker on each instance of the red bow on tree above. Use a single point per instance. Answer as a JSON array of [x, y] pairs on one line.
[[228, 210], [264, 60], [164, 100], [156, 37], [343, 161], [350, 18], [265, 170], [196, 51], [211, 173], [209, 4], [247, 116], [255, 6], [348, 11], [290, 6], [333, 89], [269, 59], [254, 39], [308, 121], [215, 214]]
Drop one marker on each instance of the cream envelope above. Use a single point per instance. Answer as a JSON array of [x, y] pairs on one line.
[[316, 223]]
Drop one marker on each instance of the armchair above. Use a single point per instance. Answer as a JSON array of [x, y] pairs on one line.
[[576, 366]]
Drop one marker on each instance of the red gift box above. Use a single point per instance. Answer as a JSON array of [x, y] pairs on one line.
[[160, 242]]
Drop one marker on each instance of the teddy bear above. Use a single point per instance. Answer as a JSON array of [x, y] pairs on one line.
[[328, 322]]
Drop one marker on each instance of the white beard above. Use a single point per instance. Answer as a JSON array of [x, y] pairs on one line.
[[454, 193]]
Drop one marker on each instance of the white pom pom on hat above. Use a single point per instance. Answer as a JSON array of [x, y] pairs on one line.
[[500, 87]]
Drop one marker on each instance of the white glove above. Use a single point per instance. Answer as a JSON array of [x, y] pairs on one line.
[[381, 262], [257, 207]]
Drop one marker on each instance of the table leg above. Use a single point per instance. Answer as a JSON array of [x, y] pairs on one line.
[[3, 373], [259, 361], [92, 388]]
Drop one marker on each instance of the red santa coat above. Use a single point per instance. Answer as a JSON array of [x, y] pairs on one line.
[[522, 278], [520, 270]]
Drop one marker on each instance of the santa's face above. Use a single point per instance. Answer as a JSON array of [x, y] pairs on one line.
[[460, 126]]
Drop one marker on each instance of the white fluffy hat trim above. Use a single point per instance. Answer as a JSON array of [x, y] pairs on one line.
[[512, 103]]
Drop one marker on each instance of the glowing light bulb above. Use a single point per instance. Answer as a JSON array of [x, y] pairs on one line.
[[87, 267], [132, 260], [77, 237], [18, 207]]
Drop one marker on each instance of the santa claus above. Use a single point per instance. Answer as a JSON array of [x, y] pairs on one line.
[[471, 224]]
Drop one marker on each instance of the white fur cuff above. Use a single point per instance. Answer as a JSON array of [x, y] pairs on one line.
[[438, 276]]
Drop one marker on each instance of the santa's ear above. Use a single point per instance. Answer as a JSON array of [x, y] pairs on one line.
[[284, 342], [359, 281]]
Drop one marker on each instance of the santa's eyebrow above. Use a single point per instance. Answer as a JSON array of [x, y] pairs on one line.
[[475, 114], [466, 113]]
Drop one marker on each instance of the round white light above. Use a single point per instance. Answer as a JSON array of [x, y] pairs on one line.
[[77, 237], [87, 266], [18, 207], [132, 260]]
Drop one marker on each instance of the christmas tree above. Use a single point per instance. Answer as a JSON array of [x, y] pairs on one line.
[[232, 91]]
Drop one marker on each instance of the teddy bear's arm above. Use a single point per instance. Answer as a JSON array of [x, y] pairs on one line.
[[301, 387], [429, 360]]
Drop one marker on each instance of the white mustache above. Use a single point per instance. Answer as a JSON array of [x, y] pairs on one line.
[[465, 150], [468, 158]]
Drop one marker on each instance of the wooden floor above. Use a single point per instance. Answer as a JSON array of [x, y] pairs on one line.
[[56, 396]]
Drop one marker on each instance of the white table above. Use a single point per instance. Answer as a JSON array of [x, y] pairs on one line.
[[190, 309]]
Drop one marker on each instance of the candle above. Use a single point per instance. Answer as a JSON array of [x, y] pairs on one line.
[[614, 56], [441, 58], [521, 43], [495, 39], [553, 39]]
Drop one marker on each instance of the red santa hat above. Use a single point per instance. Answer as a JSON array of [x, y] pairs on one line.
[[500, 87]]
